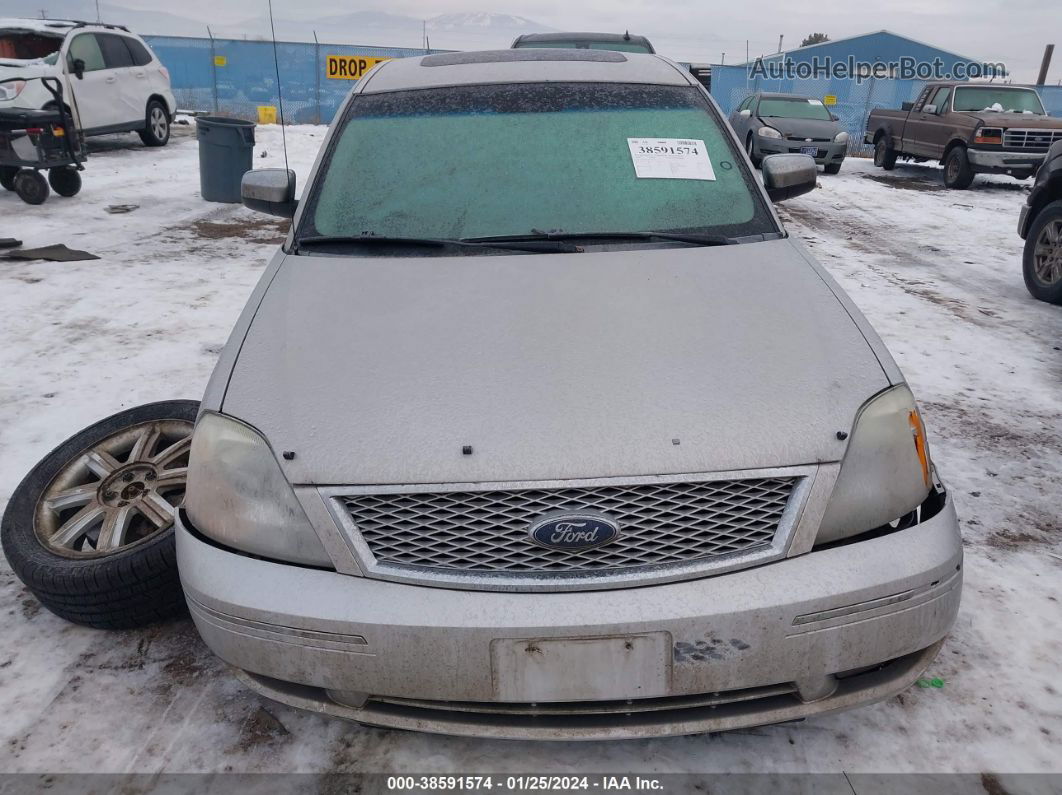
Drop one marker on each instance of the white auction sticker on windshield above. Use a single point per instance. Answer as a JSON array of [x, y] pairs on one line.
[[670, 158]]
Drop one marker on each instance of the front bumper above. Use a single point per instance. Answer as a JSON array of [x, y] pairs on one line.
[[815, 633], [826, 152], [1005, 161]]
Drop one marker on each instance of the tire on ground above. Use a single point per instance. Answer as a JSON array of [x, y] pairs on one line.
[[1049, 290], [7, 177], [156, 130], [958, 173], [65, 181], [129, 586], [884, 155], [750, 148], [31, 186], [832, 168]]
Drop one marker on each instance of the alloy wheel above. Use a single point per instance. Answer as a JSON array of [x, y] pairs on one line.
[[118, 493], [1047, 256], [159, 123]]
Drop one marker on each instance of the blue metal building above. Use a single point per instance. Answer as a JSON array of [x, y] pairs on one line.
[[889, 50]]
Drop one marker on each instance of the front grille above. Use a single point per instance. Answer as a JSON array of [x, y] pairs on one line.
[[487, 531], [805, 139], [1033, 140], [573, 710]]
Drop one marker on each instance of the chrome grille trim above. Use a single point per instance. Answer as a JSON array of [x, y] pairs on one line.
[[513, 563], [1035, 140]]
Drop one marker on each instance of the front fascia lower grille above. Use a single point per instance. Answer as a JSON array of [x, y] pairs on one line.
[[474, 535]]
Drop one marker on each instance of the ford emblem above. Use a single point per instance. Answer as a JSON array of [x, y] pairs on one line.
[[573, 531]]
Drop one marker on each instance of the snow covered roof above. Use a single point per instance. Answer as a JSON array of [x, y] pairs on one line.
[[55, 27], [828, 42]]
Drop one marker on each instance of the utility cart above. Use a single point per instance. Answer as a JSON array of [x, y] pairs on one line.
[[32, 141]]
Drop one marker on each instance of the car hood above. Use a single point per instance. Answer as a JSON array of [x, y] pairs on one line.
[[25, 70], [1029, 121], [803, 128], [656, 361]]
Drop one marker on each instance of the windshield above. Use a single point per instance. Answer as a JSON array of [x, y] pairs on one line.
[[509, 160], [793, 108], [20, 45], [1012, 100], [577, 44]]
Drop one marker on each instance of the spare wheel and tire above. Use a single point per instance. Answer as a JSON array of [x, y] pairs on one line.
[[89, 530]]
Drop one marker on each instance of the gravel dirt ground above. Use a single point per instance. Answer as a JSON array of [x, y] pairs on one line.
[[937, 272]]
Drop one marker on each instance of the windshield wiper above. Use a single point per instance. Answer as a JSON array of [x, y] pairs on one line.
[[681, 237], [433, 242]]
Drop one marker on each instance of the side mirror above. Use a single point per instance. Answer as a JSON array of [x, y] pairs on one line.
[[787, 176], [270, 191], [79, 69], [930, 108], [746, 113], [906, 105], [835, 117]]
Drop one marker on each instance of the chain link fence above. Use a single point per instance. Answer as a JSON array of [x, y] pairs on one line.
[[235, 78]]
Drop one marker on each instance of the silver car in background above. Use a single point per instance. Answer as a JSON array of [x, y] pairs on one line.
[[539, 425], [771, 124]]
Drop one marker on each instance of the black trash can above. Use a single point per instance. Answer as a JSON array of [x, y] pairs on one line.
[[226, 153]]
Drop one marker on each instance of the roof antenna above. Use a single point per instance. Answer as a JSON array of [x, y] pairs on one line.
[[627, 36], [280, 93]]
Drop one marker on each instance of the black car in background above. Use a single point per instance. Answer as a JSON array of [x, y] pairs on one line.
[[1040, 225]]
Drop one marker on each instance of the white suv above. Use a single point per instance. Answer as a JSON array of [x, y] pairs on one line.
[[112, 80]]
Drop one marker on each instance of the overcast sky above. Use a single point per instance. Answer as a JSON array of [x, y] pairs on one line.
[[1012, 31]]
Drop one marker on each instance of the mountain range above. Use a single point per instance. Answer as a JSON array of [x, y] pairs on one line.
[[458, 31]]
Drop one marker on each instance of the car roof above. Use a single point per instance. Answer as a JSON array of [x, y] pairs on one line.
[[582, 36], [57, 27], [523, 66]]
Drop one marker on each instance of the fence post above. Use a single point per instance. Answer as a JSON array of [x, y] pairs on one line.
[[317, 72], [213, 68], [866, 112]]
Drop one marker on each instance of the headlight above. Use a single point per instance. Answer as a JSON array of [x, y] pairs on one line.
[[769, 132], [841, 137], [238, 496], [11, 89], [988, 135], [886, 470]]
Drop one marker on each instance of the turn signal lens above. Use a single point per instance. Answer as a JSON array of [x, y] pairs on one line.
[[918, 431], [989, 135]]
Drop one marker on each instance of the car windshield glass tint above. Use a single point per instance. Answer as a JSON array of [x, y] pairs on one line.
[[490, 160], [998, 99], [793, 109]]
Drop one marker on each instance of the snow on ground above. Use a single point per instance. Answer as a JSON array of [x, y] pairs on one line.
[[938, 274]]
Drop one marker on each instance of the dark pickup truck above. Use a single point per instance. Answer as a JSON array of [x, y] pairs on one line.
[[970, 128]]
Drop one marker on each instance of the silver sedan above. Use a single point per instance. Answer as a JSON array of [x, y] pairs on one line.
[[771, 124], [539, 425]]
